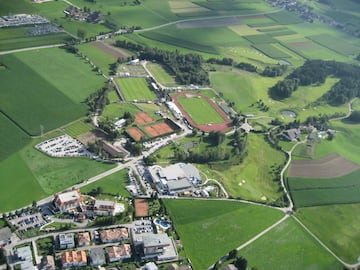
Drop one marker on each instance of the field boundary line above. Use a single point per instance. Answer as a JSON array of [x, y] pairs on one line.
[[350, 266], [205, 18]]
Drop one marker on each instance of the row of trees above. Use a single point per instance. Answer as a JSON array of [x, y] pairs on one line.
[[315, 72], [186, 67]]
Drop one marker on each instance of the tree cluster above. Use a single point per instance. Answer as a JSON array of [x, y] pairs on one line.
[[186, 67], [246, 66], [315, 72], [225, 61], [274, 71], [355, 117], [98, 100]]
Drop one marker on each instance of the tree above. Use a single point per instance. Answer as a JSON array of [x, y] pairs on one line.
[[241, 263], [81, 33], [233, 254]]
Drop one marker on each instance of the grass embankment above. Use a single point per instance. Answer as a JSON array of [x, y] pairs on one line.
[[204, 226]]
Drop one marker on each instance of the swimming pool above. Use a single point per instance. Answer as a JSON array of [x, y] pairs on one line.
[[162, 223]]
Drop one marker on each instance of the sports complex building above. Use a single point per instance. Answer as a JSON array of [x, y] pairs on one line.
[[176, 178]]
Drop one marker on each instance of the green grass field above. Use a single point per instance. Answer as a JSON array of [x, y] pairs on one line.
[[161, 75], [116, 110], [14, 7], [78, 128], [98, 57], [135, 89], [12, 138], [272, 250], [113, 184], [336, 226], [204, 226], [17, 38], [260, 39], [41, 174], [312, 192], [200, 111]]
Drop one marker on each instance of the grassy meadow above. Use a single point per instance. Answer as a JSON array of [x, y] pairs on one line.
[[340, 233], [161, 75], [274, 248], [78, 128], [204, 226], [112, 184]]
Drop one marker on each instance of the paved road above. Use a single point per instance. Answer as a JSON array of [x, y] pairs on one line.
[[32, 48]]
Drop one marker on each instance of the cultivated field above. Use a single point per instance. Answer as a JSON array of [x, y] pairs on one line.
[[329, 167], [315, 191], [135, 89], [211, 222], [274, 248], [341, 233], [54, 98], [12, 138]]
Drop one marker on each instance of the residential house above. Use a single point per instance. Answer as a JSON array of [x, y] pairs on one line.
[[47, 263], [291, 134], [83, 239], [119, 253], [66, 241], [97, 256], [114, 235], [104, 207], [73, 259], [68, 200]]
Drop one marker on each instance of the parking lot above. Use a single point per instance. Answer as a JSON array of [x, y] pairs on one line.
[[27, 221], [63, 146]]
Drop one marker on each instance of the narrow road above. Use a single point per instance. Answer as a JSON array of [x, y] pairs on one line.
[[348, 114], [219, 184], [32, 48]]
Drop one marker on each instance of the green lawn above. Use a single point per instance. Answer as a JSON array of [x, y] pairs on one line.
[[78, 128], [337, 226], [116, 110], [312, 191], [200, 111], [289, 246], [113, 184], [160, 74], [210, 229], [135, 89]]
